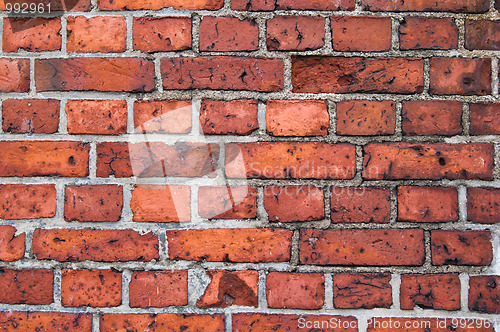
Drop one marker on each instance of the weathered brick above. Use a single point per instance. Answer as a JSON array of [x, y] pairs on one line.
[[314, 74], [235, 117], [76, 245], [91, 288], [159, 4], [367, 291], [294, 203], [44, 321], [461, 247], [103, 34], [227, 202], [39, 116], [162, 116], [482, 35], [161, 203], [365, 117], [93, 203], [361, 33], [419, 33], [230, 245], [428, 324], [256, 322], [15, 74], [26, 286], [432, 291], [21, 201], [455, 6], [485, 119], [12, 246], [158, 289], [297, 117], [483, 205], [222, 34], [360, 205], [375, 247], [432, 117], [433, 161], [270, 5], [287, 160], [460, 76], [295, 33], [113, 159], [100, 74], [162, 322], [31, 34], [98, 117], [295, 290], [484, 294], [427, 204], [162, 34]]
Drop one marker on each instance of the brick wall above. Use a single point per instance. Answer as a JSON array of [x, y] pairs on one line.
[[250, 165]]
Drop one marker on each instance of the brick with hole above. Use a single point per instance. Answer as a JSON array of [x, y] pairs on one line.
[[270, 5], [360, 205], [31, 34], [91, 288], [160, 4], [162, 116], [432, 117], [483, 205], [230, 288], [295, 290], [161, 203], [222, 34], [460, 76], [361, 33], [96, 203], [427, 204], [294, 203], [157, 289], [103, 34], [366, 118], [26, 286], [97, 117], [420, 33], [297, 117], [485, 119], [21, 201], [362, 290], [12, 245], [482, 35], [295, 33], [234, 117], [454, 6], [45, 321], [362, 247], [100, 245], [224, 202], [230, 245], [461, 248], [430, 291], [484, 294], [424, 324], [162, 322], [161, 34], [37, 116], [18, 73]]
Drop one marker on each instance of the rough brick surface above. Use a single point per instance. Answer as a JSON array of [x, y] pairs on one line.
[[427, 204], [98, 117], [482, 35], [295, 290], [366, 118], [162, 117], [12, 246], [21, 201], [27, 286], [485, 119], [235, 117], [158, 289], [297, 118], [440, 291], [437, 117], [32, 35], [417, 33], [294, 203], [18, 73], [162, 34], [221, 34], [483, 205], [289, 33], [461, 247], [40, 116], [103, 34], [484, 294], [93, 203], [367, 291], [459, 6], [268, 5], [159, 4], [358, 33], [161, 203], [227, 202], [360, 205], [45, 321]]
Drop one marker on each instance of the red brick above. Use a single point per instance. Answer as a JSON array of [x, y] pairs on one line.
[[227, 202], [18, 73], [295, 33], [419, 33], [44, 321], [162, 116], [40, 116], [433, 161], [44, 158], [93, 203], [485, 119], [297, 117], [432, 291], [295, 290], [162, 322], [162, 34], [460, 76], [361, 33], [20, 201], [98, 117], [158, 289], [294, 203], [76, 245], [427, 324], [230, 245], [365, 117], [461, 247], [113, 159], [103, 34], [235, 117], [375, 247], [482, 35], [159, 4], [360, 205], [91, 288], [484, 294], [223, 73], [31, 34], [223, 34], [54, 5], [288, 160], [455, 6], [367, 291], [432, 117], [229, 288], [348, 75], [11, 246], [161, 203], [483, 205], [100, 74], [270, 5], [27, 286], [427, 204]]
